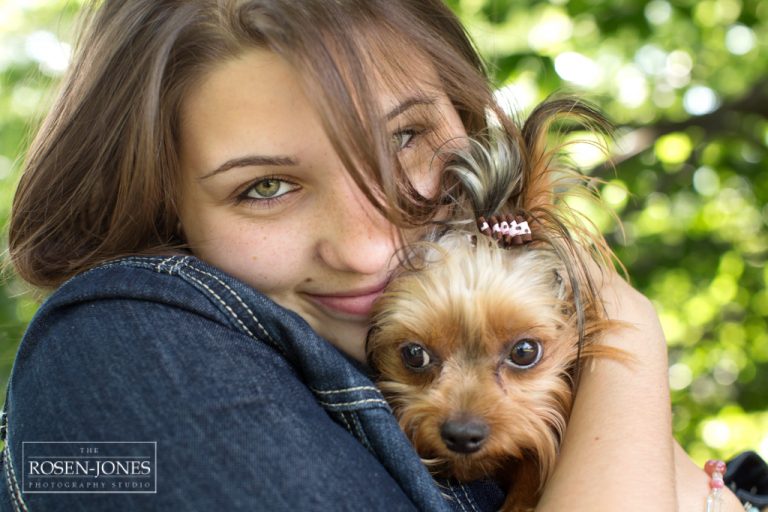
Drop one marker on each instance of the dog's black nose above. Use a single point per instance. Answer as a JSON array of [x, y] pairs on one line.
[[464, 435]]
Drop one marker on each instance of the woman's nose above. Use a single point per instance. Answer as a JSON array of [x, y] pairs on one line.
[[357, 237]]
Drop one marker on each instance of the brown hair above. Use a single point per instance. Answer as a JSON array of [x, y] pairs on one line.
[[102, 177]]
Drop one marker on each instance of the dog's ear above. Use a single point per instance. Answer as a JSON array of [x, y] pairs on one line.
[[544, 168]]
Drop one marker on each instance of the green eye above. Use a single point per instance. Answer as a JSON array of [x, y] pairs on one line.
[[403, 138], [267, 188]]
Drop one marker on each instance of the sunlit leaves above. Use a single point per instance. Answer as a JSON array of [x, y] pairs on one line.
[[682, 78], [674, 148], [691, 184]]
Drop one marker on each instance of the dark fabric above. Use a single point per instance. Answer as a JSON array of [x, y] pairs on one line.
[[747, 476], [250, 409]]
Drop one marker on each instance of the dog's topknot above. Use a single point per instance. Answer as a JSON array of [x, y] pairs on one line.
[[525, 172]]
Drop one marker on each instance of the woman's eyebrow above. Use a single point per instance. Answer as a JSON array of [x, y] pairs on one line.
[[410, 102], [251, 160], [256, 160]]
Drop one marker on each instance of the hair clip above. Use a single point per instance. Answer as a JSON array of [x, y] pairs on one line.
[[507, 229]]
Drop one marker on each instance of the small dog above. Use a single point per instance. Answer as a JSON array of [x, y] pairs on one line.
[[478, 340]]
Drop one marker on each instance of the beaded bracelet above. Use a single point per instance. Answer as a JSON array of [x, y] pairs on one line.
[[715, 469]]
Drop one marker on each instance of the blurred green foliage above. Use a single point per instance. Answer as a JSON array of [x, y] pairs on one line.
[[685, 82]]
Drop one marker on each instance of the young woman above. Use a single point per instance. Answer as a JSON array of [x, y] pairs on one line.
[[217, 197]]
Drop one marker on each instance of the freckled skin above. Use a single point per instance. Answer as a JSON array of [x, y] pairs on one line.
[[322, 237]]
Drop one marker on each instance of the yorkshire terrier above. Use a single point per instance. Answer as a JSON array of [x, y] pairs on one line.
[[478, 340]]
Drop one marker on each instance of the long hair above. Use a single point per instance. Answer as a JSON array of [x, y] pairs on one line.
[[523, 173], [102, 180], [463, 298]]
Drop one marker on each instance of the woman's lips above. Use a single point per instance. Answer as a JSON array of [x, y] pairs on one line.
[[356, 303]]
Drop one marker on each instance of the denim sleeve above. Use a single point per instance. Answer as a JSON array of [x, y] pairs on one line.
[[236, 429]]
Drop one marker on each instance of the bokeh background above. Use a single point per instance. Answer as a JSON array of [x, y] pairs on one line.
[[686, 81]]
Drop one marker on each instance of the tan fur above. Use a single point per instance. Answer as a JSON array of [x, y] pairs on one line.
[[467, 302], [466, 305]]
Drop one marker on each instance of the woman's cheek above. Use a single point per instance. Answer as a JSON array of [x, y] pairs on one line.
[[267, 259]]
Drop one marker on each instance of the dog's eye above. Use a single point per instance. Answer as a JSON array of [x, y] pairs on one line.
[[415, 356], [525, 354]]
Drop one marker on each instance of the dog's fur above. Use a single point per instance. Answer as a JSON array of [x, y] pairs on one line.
[[464, 303]]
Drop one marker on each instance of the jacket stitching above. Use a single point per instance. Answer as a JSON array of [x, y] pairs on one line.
[[356, 402], [360, 431], [354, 428], [111, 264], [183, 261], [347, 426], [177, 266], [456, 497], [469, 498], [146, 261], [160, 267], [238, 298], [274, 344], [16, 498], [344, 390], [226, 306], [8, 479]]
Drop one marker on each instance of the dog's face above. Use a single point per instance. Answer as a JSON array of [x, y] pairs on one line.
[[475, 352]]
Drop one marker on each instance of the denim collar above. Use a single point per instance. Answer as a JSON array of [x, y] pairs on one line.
[[341, 386]]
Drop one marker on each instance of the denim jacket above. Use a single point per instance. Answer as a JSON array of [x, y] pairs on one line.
[[249, 408]]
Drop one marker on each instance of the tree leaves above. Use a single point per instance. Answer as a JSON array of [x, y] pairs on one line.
[[686, 80]]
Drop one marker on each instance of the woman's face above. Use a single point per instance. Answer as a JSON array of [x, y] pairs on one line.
[[266, 199]]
